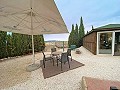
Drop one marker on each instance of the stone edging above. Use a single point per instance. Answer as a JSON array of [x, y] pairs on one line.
[[84, 85]]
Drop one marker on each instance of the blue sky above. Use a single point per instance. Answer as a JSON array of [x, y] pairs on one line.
[[94, 12]]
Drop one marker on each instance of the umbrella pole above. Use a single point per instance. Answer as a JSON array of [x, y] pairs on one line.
[[33, 58], [33, 66]]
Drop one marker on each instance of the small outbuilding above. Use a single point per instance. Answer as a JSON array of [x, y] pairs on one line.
[[103, 40]]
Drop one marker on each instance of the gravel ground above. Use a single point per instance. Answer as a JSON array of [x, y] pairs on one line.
[[13, 74]]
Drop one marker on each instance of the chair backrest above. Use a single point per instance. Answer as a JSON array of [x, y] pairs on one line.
[[43, 53], [64, 57], [53, 50], [45, 58], [69, 52]]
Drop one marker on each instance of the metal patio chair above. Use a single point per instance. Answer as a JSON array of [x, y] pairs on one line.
[[47, 57], [53, 50], [69, 53], [63, 59]]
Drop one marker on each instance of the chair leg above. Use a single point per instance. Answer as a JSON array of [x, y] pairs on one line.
[[71, 58], [69, 63], [44, 63], [57, 62], [53, 61], [61, 66]]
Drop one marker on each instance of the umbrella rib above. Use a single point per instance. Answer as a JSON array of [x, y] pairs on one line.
[[44, 24], [48, 23], [23, 20], [44, 17], [10, 20], [9, 6], [48, 19], [40, 25], [37, 20], [19, 12], [40, 15], [15, 13]]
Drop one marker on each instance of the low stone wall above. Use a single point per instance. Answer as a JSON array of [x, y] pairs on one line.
[[57, 44]]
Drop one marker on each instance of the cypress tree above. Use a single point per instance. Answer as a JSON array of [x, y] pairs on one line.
[[36, 45], [92, 27], [76, 35], [27, 46], [30, 43], [42, 39], [81, 29], [3, 52], [14, 43], [25, 42], [9, 45], [81, 32], [87, 32], [18, 44], [39, 43], [71, 37], [0, 44], [42, 43]]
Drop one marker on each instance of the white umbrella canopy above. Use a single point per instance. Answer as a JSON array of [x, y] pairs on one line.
[[32, 17]]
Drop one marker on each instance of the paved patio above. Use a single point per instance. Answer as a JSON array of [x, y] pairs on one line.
[[98, 84], [13, 75]]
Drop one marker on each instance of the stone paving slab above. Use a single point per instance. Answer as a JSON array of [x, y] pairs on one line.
[[89, 83]]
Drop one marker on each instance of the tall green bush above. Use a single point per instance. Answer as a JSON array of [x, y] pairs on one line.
[[19, 44], [3, 51]]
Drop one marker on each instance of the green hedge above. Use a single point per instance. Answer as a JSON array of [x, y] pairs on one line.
[[14, 44]]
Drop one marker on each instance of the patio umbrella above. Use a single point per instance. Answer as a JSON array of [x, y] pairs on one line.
[[32, 17]]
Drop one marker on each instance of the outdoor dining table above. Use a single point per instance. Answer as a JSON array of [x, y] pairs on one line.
[[57, 53]]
